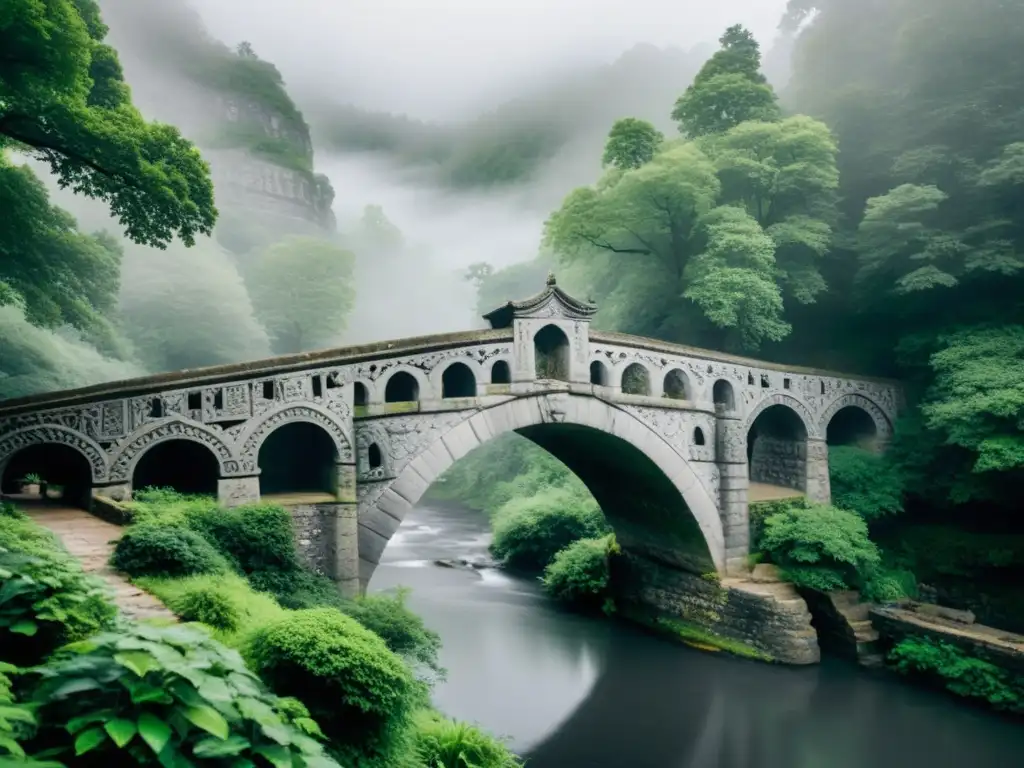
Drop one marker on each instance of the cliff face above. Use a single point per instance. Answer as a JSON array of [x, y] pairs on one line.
[[236, 109]]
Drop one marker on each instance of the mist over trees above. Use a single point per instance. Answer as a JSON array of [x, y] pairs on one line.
[[850, 198]]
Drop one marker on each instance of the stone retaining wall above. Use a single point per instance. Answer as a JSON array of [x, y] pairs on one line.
[[314, 535], [769, 618]]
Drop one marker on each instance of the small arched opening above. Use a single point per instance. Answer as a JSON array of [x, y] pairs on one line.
[[636, 380], [360, 395], [181, 465], [374, 457], [49, 471], [698, 436], [551, 350], [298, 458], [599, 374], [722, 395], [853, 426], [501, 373], [402, 387], [777, 449], [677, 385], [458, 381]]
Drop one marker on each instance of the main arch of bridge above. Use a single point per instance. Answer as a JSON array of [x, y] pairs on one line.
[[647, 489]]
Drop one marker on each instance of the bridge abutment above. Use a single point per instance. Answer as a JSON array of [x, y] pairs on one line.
[[818, 486]]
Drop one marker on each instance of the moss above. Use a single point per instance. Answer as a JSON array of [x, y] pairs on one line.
[[386, 408], [695, 636]]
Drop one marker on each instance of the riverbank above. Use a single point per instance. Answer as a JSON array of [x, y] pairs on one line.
[[569, 689]]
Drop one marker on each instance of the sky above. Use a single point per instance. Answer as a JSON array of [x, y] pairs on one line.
[[444, 59]]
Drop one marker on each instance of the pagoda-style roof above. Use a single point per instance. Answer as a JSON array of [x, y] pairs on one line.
[[552, 303]]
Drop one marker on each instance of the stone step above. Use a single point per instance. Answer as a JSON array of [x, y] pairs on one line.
[[867, 636], [849, 597], [855, 613]]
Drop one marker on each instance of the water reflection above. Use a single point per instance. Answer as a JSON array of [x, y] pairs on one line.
[[574, 692]]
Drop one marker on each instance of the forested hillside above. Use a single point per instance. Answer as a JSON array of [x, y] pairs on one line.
[[870, 217]]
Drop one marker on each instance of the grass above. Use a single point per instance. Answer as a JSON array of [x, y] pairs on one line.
[[256, 609]]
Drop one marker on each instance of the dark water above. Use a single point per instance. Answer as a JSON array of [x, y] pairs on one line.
[[570, 691]]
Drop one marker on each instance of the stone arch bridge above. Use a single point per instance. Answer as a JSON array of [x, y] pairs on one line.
[[671, 440]]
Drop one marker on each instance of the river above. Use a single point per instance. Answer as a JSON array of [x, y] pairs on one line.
[[570, 691]]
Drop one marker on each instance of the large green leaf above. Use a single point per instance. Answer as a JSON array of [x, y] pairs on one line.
[[25, 627], [89, 740], [215, 747], [121, 731], [209, 719], [154, 731], [138, 662]]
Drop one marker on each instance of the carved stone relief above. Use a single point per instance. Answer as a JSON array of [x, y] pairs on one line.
[[28, 436], [127, 454], [290, 413]]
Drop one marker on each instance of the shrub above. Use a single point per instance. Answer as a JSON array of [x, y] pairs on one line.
[[297, 589], [402, 630], [209, 605], [256, 537], [165, 550], [888, 585], [164, 506], [46, 599], [443, 743], [867, 483], [958, 672], [529, 532], [358, 690], [188, 698], [820, 547], [579, 574]]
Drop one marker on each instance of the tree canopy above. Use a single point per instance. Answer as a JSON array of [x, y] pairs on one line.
[[63, 100]]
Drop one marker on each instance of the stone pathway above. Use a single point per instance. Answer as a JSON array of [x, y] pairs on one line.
[[91, 540]]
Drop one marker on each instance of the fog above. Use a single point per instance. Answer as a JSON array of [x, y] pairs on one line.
[[486, 76], [446, 59]]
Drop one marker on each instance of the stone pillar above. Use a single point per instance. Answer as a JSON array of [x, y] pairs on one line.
[[346, 549], [345, 528], [235, 491], [818, 487], [731, 458]]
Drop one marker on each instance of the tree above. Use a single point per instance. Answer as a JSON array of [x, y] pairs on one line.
[[728, 90], [653, 235], [631, 143], [784, 175], [63, 99], [59, 275], [302, 292]]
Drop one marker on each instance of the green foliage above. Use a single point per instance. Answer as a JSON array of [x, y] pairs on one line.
[[404, 632], [959, 673], [864, 482], [253, 609], [256, 537], [57, 274], [46, 599], [302, 289], [528, 532], [443, 743], [165, 696], [209, 605], [17, 722], [728, 90], [165, 550], [820, 547], [734, 220], [359, 692], [888, 585], [64, 100], [631, 143], [579, 575]]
